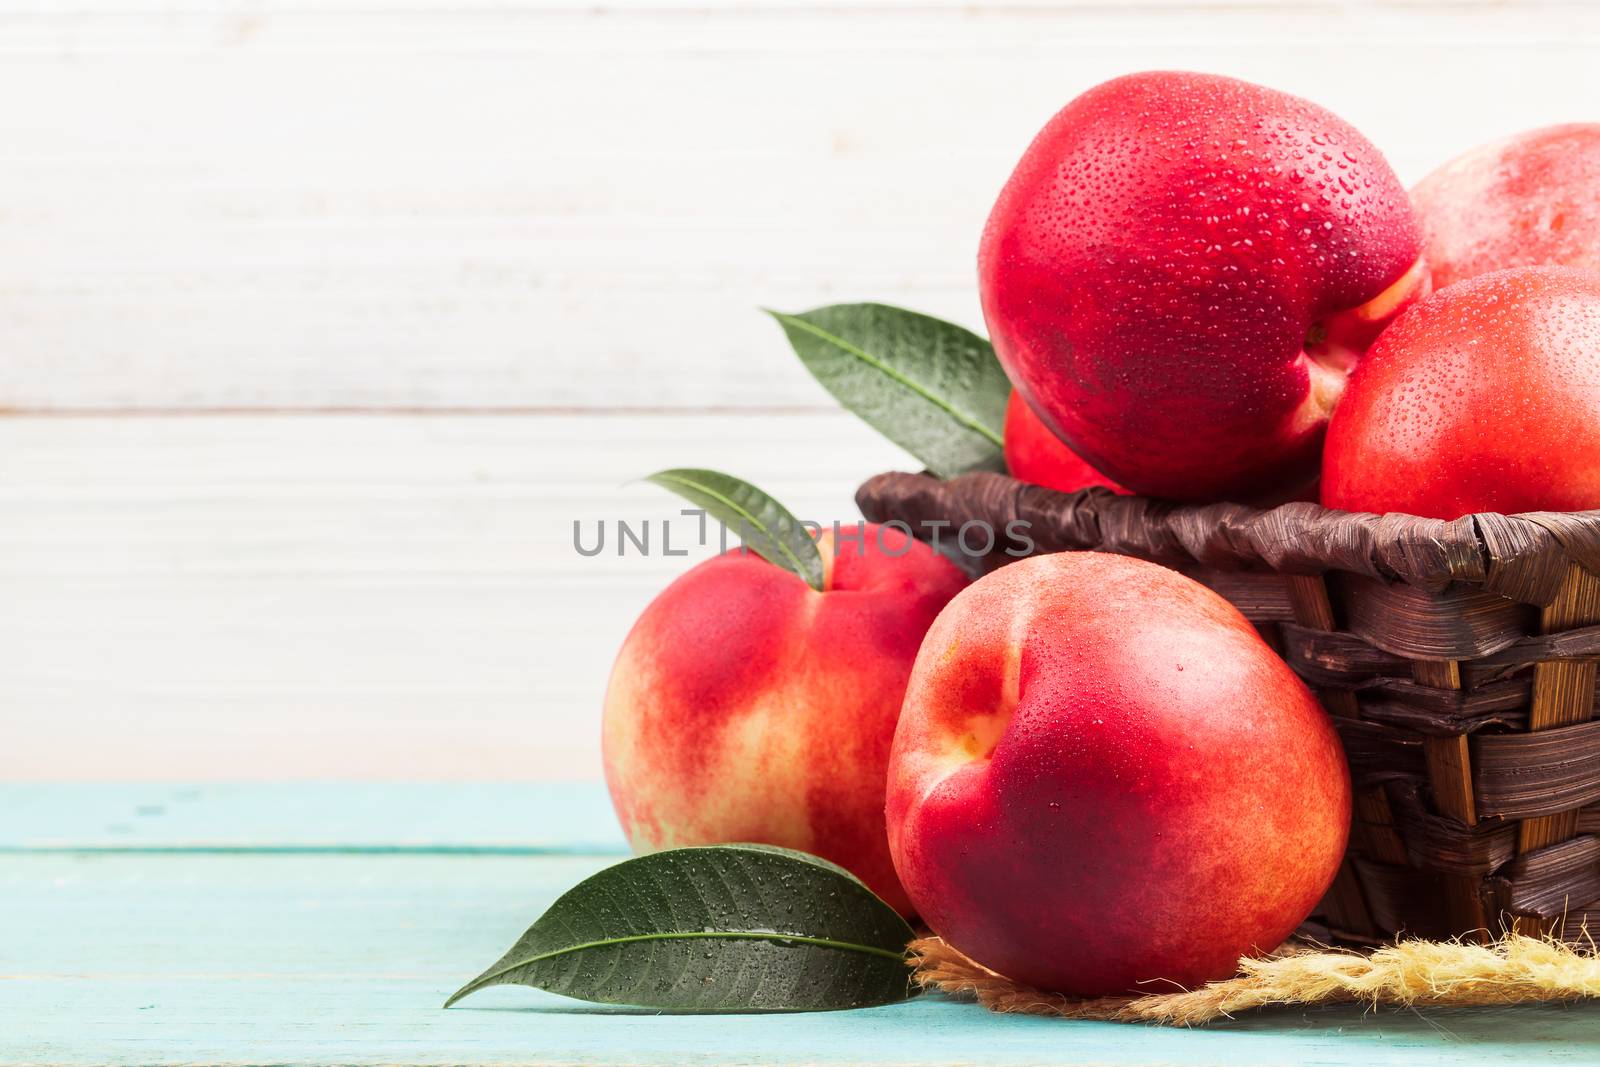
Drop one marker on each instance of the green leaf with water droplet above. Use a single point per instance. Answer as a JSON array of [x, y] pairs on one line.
[[714, 929], [932, 387]]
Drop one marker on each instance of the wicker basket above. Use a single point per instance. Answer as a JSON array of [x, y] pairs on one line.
[[1457, 659]]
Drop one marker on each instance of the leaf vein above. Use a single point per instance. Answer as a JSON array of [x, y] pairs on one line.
[[972, 422], [690, 935]]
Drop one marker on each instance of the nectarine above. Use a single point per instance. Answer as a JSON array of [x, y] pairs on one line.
[[1524, 201], [1036, 455], [746, 706], [1483, 397], [1181, 272], [1103, 779]]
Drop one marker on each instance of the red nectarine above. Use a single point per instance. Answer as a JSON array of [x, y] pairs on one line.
[[1181, 272], [1483, 397], [1528, 200], [1104, 780], [1035, 454]]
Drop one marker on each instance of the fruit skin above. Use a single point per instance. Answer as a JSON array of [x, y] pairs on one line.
[[1484, 397], [1180, 273], [1528, 200], [1034, 454], [746, 706], [1103, 776]]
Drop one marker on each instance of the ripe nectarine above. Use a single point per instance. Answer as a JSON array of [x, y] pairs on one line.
[[746, 706], [1181, 272], [1483, 397], [1103, 777], [1035, 454], [1524, 201]]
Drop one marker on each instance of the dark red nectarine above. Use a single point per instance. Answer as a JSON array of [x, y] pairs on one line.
[[1181, 272]]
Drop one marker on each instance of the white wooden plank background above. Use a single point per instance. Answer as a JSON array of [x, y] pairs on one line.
[[321, 321], [346, 596]]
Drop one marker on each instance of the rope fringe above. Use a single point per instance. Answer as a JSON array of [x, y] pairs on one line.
[[1514, 970]]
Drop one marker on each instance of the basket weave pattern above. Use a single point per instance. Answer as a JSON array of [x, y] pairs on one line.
[[1458, 660]]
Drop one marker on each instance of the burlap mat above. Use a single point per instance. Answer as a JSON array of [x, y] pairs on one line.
[[1514, 970]]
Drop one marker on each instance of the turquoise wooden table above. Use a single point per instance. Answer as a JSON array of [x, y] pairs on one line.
[[327, 923]]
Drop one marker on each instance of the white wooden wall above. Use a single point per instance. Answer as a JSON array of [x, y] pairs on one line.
[[322, 320]]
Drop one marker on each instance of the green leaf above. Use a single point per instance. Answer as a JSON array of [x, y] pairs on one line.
[[764, 524], [720, 928], [929, 386]]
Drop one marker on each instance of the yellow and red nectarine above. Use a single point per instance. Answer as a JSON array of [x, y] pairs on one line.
[[747, 706]]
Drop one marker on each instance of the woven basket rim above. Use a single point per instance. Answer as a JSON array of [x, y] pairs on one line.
[[1521, 557]]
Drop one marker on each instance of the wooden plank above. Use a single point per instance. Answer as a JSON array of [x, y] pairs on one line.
[[1563, 693], [1450, 774], [1437, 673], [377, 818], [466, 208], [1450, 779], [1449, 765], [344, 959], [1372, 824], [1312, 607], [355, 597], [1308, 594]]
